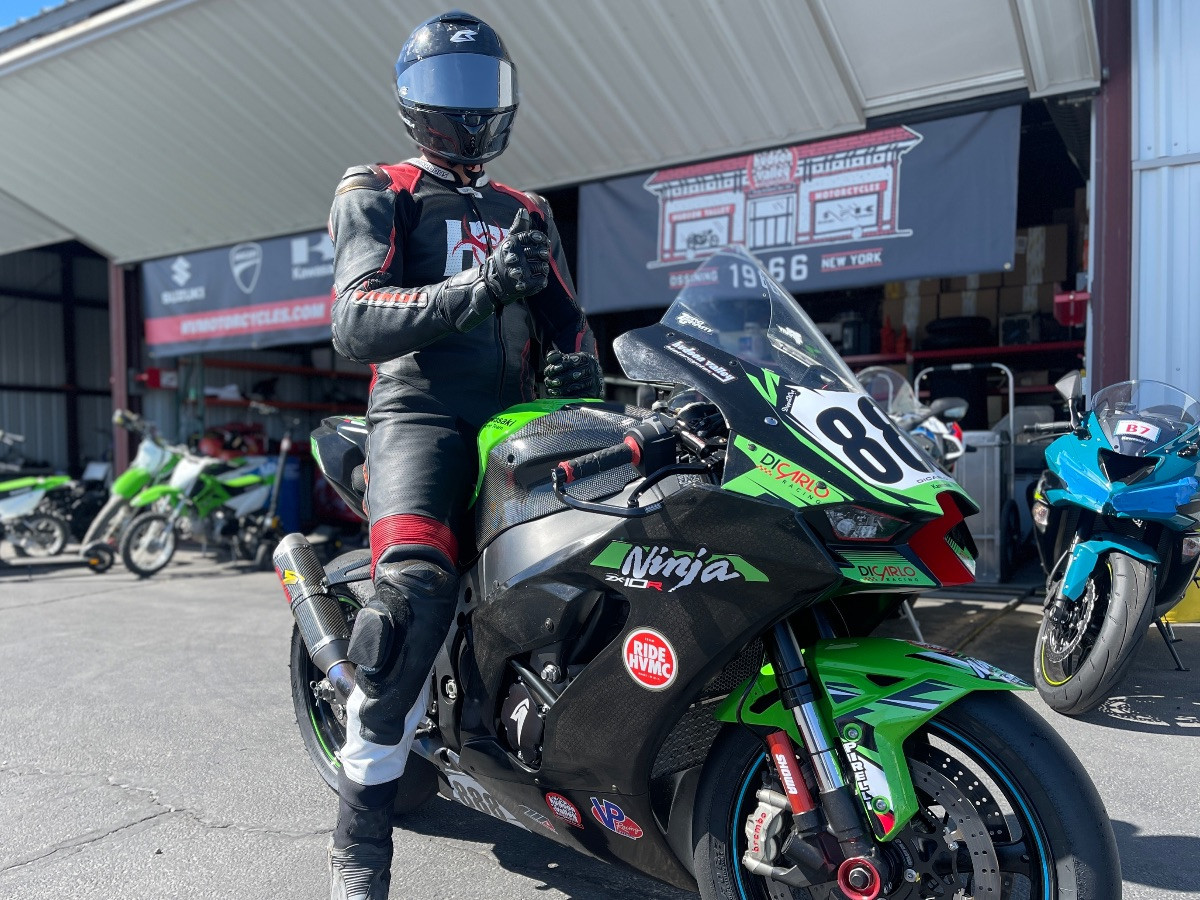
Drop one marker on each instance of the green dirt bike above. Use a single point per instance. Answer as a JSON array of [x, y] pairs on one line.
[[662, 657], [152, 464], [25, 520], [232, 502]]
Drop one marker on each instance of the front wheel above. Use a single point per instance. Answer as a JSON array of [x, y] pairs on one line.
[[1085, 647], [39, 535], [148, 544], [1006, 811]]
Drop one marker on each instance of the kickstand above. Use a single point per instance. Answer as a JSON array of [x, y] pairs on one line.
[[906, 610], [1168, 636]]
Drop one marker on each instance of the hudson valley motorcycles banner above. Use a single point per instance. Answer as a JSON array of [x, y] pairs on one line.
[[254, 294], [933, 199]]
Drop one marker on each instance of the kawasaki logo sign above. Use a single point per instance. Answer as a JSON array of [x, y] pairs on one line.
[[883, 567], [663, 569]]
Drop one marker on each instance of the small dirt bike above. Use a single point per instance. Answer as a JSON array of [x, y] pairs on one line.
[[1115, 520], [151, 464], [26, 521], [661, 653]]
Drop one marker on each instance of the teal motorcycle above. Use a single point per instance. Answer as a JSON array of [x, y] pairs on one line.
[[24, 522], [152, 464], [1117, 525]]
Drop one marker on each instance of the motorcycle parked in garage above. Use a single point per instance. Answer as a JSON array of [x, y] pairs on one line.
[[234, 503], [25, 523], [152, 464], [1116, 518], [712, 569]]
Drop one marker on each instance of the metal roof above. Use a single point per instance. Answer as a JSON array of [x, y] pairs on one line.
[[161, 126]]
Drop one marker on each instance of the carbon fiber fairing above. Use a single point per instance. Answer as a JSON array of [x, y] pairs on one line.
[[516, 481]]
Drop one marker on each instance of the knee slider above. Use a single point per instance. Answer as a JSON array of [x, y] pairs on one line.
[[372, 638]]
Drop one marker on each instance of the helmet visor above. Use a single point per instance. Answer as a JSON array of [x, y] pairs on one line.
[[466, 81]]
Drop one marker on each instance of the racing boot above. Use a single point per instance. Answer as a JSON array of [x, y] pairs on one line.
[[360, 852]]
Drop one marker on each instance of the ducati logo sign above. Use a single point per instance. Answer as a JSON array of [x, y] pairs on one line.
[[649, 659], [245, 262], [564, 810]]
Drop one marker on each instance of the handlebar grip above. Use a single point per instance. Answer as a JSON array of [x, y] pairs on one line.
[[626, 453], [1047, 427]]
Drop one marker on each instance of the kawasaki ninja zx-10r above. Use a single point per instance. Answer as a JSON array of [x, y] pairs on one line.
[[661, 656]]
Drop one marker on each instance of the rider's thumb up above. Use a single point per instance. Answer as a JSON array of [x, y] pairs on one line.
[[521, 222]]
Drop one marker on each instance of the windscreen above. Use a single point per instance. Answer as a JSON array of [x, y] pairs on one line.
[[732, 303], [1139, 416], [888, 388]]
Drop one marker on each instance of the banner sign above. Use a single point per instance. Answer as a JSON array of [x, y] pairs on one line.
[[934, 199], [256, 294]]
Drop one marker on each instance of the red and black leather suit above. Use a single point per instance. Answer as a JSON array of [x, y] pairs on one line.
[[412, 244], [400, 232]]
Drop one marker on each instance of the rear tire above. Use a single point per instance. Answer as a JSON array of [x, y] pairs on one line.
[[100, 558], [148, 544], [1043, 823], [323, 732], [1118, 602], [39, 535]]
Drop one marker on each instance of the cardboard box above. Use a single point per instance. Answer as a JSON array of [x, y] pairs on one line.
[[1029, 298], [969, 303], [973, 282], [1041, 256]]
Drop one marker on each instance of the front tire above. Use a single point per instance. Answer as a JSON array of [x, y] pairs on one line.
[[1041, 827], [148, 544], [322, 724], [1079, 659]]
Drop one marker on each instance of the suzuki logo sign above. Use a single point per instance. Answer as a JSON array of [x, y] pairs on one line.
[[245, 262], [181, 271]]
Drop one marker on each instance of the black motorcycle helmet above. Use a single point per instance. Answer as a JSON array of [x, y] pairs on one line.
[[457, 88]]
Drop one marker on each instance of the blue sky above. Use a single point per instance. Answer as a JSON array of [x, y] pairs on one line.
[[11, 10]]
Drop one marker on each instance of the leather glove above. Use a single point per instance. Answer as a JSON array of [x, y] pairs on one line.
[[570, 375], [520, 265]]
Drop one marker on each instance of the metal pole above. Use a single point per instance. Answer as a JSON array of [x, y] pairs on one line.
[[119, 360]]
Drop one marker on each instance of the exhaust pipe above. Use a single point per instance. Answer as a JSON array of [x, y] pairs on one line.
[[317, 612]]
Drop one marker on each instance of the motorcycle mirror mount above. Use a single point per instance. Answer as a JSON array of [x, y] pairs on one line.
[[1070, 388]]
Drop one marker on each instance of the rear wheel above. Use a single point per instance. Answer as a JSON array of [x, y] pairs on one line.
[[38, 535], [1005, 811], [322, 720], [148, 544], [100, 558], [1085, 647]]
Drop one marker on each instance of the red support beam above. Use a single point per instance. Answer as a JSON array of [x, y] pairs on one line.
[[1112, 170], [119, 357]]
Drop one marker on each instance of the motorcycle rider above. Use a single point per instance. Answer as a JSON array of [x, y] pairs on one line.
[[444, 298]]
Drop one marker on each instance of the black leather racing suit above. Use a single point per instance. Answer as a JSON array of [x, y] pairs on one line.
[[407, 239]]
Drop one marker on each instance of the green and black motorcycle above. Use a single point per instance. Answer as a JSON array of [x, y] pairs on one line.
[[662, 657]]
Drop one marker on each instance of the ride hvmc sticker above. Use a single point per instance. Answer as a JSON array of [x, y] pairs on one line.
[[649, 659]]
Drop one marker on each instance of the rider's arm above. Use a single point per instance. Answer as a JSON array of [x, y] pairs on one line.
[[374, 319]]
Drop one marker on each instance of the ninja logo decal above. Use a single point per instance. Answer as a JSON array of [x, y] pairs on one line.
[[664, 569], [614, 819], [649, 659]]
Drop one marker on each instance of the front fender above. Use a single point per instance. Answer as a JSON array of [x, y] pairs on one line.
[[1086, 554], [872, 721], [153, 493]]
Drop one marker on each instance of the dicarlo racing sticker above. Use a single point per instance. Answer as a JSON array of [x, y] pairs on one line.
[[564, 810], [614, 819], [649, 659], [779, 476], [663, 569], [883, 567], [700, 361]]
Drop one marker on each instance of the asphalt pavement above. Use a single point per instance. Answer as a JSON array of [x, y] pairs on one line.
[[148, 750]]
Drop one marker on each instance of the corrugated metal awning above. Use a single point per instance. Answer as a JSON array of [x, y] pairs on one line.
[[162, 126]]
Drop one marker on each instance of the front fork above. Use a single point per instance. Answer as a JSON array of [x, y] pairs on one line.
[[864, 869]]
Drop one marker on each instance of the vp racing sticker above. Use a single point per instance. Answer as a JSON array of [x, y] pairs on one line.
[[649, 659], [614, 819]]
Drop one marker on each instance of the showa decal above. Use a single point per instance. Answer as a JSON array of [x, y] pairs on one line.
[[614, 819], [564, 810], [664, 569], [649, 659]]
